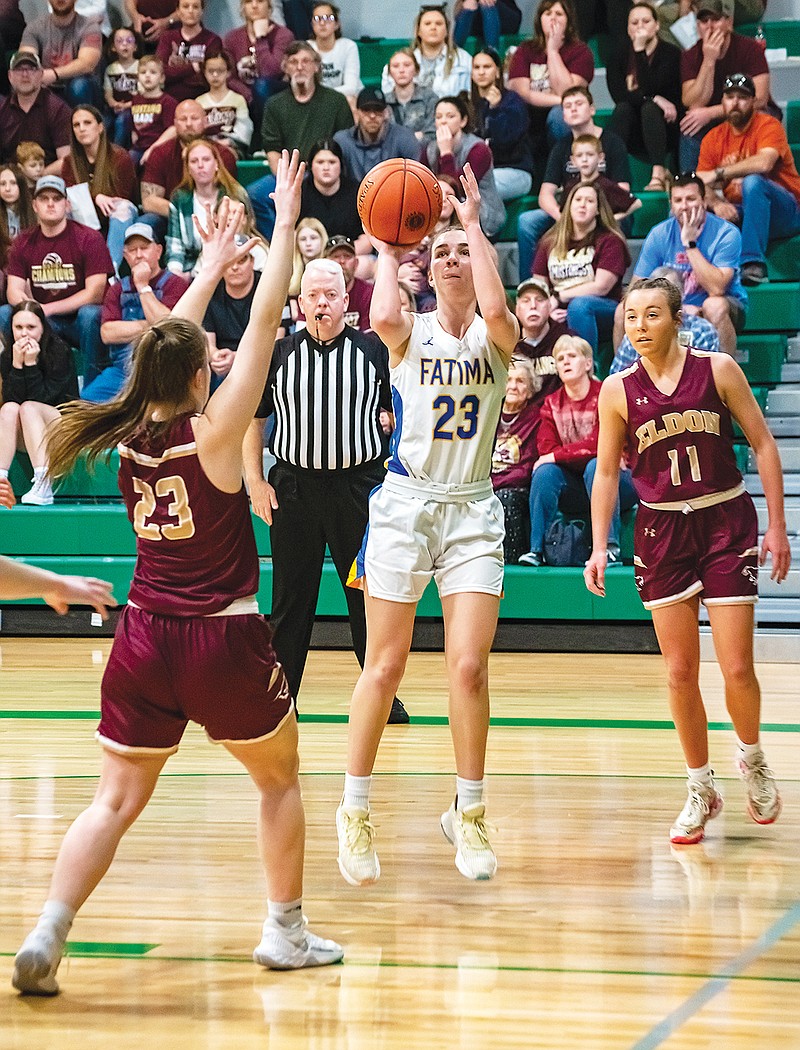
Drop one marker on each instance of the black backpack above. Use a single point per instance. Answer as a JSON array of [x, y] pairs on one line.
[[567, 543]]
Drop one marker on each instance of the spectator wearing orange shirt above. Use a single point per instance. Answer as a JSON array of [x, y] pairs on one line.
[[750, 175]]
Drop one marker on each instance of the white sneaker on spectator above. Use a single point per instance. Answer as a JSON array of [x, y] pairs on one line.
[[703, 804], [41, 495], [466, 830], [294, 947], [763, 797]]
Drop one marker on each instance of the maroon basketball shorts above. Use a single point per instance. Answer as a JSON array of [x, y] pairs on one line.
[[163, 671], [713, 550]]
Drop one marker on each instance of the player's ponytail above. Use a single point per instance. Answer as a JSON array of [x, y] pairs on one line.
[[165, 360]]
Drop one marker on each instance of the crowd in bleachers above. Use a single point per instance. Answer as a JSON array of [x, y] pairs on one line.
[[113, 145]]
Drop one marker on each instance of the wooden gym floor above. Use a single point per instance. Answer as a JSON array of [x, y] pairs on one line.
[[594, 934]]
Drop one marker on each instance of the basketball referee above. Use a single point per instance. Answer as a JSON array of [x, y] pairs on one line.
[[326, 387]]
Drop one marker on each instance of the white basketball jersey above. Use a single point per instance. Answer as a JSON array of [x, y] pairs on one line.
[[446, 394]]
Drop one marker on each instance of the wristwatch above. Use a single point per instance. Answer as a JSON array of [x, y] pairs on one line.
[[691, 244]]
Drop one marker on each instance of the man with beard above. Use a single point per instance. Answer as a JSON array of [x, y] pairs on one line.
[[296, 119], [750, 175]]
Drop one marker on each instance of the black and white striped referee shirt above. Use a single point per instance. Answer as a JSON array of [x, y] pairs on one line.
[[326, 398]]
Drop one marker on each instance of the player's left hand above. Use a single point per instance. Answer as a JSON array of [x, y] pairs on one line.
[[80, 590], [594, 574], [776, 543], [468, 210]]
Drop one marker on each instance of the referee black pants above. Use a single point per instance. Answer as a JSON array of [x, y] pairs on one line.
[[315, 510]]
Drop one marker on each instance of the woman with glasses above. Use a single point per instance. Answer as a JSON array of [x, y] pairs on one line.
[[542, 68], [500, 117], [486, 19], [443, 67], [121, 82], [341, 65], [644, 79]]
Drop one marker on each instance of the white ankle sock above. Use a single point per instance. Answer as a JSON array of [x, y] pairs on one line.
[[749, 752], [3, 472], [703, 774], [356, 792], [468, 793], [286, 913], [39, 473], [57, 917]]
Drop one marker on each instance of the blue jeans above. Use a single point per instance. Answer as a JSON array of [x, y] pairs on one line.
[[592, 317], [82, 91], [263, 207], [552, 485], [116, 235], [112, 379], [489, 19], [512, 182], [767, 210], [531, 227]]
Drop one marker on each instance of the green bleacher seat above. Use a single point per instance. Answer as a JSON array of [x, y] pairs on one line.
[[530, 594], [774, 308], [101, 483], [783, 259], [247, 171], [654, 209], [374, 54], [508, 231], [785, 33], [761, 356]]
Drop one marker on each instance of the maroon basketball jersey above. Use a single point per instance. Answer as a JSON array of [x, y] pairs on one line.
[[680, 445], [196, 552]]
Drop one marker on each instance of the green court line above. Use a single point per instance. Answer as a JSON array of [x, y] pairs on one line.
[[108, 949], [441, 720], [94, 950]]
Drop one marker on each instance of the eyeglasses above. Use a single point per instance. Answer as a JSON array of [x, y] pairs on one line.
[[323, 18], [125, 40]]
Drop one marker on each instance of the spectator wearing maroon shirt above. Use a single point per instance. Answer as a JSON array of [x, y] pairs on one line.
[[70, 48], [182, 51], [131, 305], [257, 49], [718, 54], [152, 110], [554, 59], [32, 113], [65, 267], [108, 172], [585, 258], [150, 18], [164, 168]]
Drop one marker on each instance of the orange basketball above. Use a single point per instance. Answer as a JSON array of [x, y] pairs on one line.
[[399, 201]]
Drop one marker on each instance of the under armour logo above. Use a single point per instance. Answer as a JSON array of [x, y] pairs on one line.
[[642, 401], [649, 532]]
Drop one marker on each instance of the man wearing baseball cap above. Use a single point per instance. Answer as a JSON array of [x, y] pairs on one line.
[[750, 175], [33, 113], [131, 305], [718, 54], [539, 332], [64, 266], [375, 136]]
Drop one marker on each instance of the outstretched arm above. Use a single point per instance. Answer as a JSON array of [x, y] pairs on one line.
[[27, 581], [501, 324]]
